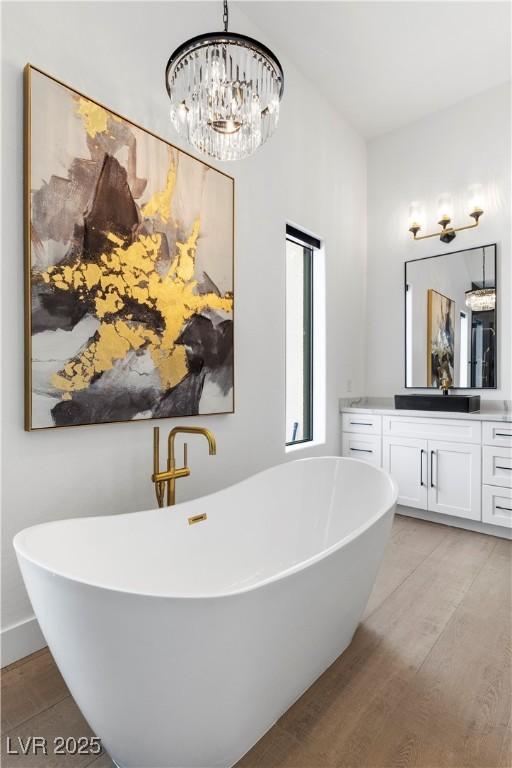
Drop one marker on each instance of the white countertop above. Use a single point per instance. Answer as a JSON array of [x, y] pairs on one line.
[[490, 410]]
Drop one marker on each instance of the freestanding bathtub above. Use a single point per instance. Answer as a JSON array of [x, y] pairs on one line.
[[183, 643]]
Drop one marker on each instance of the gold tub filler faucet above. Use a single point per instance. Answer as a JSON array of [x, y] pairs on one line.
[[167, 480]]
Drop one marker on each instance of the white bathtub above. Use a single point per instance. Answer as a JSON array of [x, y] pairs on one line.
[[182, 644]]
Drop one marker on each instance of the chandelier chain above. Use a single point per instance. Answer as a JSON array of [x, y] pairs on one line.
[[225, 16]]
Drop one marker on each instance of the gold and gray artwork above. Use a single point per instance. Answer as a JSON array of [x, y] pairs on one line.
[[440, 339], [130, 268]]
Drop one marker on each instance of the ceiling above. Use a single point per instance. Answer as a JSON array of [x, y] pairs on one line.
[[385, 64]]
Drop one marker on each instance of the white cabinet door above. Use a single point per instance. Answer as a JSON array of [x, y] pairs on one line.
[[406, 460], [455, 479]]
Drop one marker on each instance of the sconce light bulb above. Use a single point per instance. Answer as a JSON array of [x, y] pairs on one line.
[[445, 209], [475, 200], [415, 216], [476, 213]]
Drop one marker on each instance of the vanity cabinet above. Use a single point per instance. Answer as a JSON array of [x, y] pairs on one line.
[[453, 467]]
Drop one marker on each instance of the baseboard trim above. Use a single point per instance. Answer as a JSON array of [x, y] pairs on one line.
[[21, 640], [456, 522]]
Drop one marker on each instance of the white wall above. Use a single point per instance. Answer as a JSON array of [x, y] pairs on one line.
[[312, 173], [448, 151]]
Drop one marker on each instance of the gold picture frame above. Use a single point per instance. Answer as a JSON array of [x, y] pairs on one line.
[[217, 308]]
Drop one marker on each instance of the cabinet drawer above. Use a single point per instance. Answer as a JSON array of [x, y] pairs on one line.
[[497, 506], [497, 433], [497, 466], [362, 424], [458, 430], [364, 447]]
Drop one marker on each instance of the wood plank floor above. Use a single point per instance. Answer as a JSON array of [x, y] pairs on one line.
[[426, 682]]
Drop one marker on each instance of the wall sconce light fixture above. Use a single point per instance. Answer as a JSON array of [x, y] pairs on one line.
[[445, 213]]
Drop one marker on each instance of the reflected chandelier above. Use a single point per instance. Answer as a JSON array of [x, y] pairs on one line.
[[481, 299], [225, 90]]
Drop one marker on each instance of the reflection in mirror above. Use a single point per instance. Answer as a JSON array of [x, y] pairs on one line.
[[450, 320]]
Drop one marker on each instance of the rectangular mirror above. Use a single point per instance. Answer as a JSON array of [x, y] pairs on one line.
[[450, 320]]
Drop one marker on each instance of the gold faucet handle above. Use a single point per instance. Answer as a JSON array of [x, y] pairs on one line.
[[159, 486], [156, 450], [185, 455], [160, 490]]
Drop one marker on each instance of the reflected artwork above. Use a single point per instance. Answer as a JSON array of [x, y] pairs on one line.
[[441, 340]]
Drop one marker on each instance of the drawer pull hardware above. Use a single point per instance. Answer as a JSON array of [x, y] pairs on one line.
[[362, 423], [509, 468], [432, 469], [503, 434], [362, 450], [421, 467], [505, 508]]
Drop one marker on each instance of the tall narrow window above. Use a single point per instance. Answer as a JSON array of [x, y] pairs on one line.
[[300, 250]]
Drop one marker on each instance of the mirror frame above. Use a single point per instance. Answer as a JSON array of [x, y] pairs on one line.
[[436, 256]]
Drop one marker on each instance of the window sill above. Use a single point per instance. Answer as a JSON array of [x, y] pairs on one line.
[[303, 446]]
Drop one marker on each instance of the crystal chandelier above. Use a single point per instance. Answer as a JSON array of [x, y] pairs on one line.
[[481, 299], [225, 90]]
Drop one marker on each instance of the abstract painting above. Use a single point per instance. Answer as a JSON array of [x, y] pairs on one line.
[[129, 268], [440, 338]]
